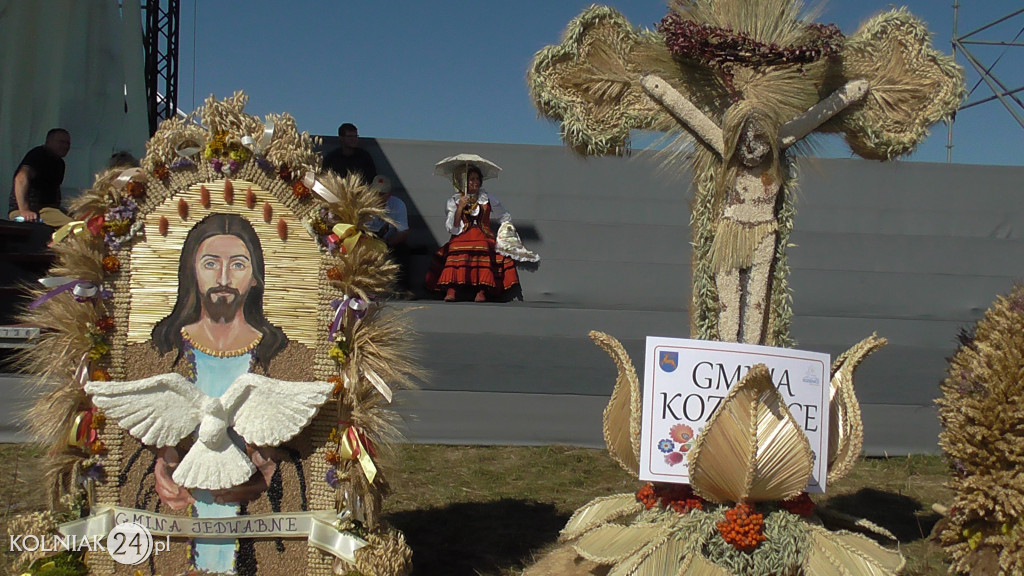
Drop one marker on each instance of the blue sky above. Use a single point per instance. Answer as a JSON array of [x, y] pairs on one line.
[[454, 70]]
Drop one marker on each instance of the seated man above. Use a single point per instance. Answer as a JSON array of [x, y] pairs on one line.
[[395, 236], [35, 194]]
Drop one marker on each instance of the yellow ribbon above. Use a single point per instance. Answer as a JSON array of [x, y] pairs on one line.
[[357, 451], [77, 228], [349, 236], [73, 432]]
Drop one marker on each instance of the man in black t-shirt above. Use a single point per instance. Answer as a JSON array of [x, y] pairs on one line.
[[350, 157], [35, 194]]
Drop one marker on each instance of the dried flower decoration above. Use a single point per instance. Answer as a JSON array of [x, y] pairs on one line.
[[268, 212], [161, 172], [204, 196], [331, 478], [300, 190], [339, 352], [334, 274], [99, 375], [111, 264], [182, 209], [332, 457], [339, 386], [135, 189], [99, 349], [282, 229], [163, 226], [723, 48], [95, 224], [105, 323], [250, 198]]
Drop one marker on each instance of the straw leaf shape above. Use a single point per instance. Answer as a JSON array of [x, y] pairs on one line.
[[912, 85], [622, 415], [845, 429], [663, 556], [837, 520], [700, 566], [752, 449], [599, 511], [845, 553], [613, 543], [590, 82]]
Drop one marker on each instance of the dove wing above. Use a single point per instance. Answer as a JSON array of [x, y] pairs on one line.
[[268, 412], [159, 410]]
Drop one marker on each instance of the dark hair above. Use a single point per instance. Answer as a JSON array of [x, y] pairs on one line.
[[474, 170], [53, 131], [346, 127], [167, 332], [122, 159]]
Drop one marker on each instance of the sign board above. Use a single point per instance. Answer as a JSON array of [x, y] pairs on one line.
[[686, 380]]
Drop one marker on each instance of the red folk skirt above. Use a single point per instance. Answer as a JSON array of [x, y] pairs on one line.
[[470, 260]]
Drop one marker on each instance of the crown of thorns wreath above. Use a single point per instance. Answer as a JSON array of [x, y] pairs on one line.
[[723, 48]]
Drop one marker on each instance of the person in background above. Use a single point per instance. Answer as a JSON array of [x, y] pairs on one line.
[[35, 193], [469, 262], [122, 159], [349, 157], [396, 233]]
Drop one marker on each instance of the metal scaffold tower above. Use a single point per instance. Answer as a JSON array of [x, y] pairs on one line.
[[978, 49], [160, 38]]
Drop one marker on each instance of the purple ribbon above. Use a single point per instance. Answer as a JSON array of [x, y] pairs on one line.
[[81, 289], [358, 307]]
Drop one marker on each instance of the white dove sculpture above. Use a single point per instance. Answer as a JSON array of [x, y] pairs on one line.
[[163, 409]]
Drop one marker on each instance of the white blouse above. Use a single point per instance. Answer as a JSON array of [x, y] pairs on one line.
[[455, 226]]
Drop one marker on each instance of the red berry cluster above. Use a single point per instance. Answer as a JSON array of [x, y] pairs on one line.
[[743, 527], [801, 505], [678, 497]]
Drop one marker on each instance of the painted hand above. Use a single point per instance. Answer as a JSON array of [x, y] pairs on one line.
[[266, 466], [173, 496]]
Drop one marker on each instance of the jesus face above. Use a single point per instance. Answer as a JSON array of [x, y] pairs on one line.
[[224, 273], [753, 145]]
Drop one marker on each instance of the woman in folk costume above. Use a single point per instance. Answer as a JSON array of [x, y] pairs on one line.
[[469, 261]]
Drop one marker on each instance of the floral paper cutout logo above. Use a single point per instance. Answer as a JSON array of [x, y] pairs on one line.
[[678, 443]]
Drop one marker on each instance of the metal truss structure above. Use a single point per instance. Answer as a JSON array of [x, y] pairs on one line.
[[971, 46], [160, 39]]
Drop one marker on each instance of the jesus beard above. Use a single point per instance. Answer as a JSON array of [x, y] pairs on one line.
[[222, 309]]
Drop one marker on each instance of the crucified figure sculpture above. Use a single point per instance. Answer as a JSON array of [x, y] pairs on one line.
[[746, 80], [745, 240]]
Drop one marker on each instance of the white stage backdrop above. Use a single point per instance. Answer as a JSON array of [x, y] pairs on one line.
[[76, 65]]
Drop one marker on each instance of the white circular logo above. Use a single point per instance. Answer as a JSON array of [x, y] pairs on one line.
[[129, 543]]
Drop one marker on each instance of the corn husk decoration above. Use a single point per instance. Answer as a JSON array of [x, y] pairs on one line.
[[115, 257], [747, 467], [982, 414], [775, 63]]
